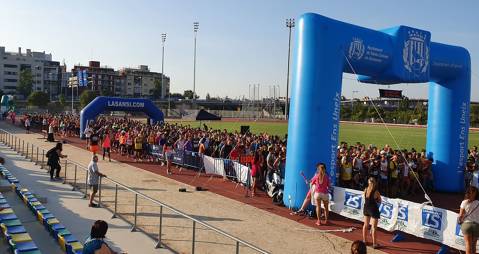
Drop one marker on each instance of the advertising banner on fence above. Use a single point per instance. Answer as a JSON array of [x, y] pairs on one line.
[[213, 166], [242, 173], [421, 220]]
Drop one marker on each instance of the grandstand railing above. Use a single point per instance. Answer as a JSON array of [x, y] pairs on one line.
[[37, 155]]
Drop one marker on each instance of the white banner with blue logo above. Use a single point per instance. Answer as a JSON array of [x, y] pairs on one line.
[[421, 220], [242, 173]]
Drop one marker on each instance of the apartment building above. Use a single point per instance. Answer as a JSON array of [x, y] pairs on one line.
[[45, 72]]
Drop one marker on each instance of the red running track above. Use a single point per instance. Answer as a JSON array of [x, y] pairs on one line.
[[231, 190]]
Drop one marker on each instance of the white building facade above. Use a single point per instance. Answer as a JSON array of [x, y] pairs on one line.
[[46, 73]]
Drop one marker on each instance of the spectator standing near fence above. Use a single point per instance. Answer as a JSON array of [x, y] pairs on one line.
[[53, 161], [255, 170], [93, 179], [469, 219], [371, 210]]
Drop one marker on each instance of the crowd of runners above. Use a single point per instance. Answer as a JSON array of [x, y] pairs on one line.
[[398, 173]]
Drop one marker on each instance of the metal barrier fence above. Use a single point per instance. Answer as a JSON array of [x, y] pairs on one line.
[[145, 214], [232, 168]]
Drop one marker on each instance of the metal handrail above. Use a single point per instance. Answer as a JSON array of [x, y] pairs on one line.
[[161, 204]]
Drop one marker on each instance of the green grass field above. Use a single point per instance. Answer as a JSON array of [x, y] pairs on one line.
[[351, 133]]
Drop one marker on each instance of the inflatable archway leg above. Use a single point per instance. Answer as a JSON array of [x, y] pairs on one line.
[[448, 132], [314, 114]]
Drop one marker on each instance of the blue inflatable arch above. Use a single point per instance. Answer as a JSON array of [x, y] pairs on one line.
[[325, 48], [101, 103]]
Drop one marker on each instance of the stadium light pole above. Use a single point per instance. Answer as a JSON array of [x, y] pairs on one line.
[[163, 40], [196, 26], [289, 25]]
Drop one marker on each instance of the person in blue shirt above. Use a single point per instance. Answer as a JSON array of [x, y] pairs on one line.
[[96, 241]]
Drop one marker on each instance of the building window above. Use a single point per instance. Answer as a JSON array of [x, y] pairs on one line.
[[10, 80], [10, 87], [10, 66]]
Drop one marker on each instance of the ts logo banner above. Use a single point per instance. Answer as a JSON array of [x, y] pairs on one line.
[[353, 200], [386, 210], [403, 212], [432, 219]]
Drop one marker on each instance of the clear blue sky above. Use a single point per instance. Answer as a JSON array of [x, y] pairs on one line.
[[239, 42]]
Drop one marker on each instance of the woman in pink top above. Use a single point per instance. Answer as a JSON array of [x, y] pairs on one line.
[[321, 186]]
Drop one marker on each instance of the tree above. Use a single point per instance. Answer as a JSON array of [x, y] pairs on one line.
[[157, 91], [404, 104], [474, 115], [40, 99], [62, 100], [86, 97], [188, 94], [176, 96], [106, 91], [1, 93], [25, 84], [208, 97]]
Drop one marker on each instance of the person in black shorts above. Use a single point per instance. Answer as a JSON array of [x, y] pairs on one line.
[[372, 199]]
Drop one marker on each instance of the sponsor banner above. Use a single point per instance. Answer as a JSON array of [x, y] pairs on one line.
[[242, 173], [348, 203], [178, 157], [388, 213], [157, 150], [213, 166], [421, 220]]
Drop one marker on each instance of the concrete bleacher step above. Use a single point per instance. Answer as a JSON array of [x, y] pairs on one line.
[[43, 240]]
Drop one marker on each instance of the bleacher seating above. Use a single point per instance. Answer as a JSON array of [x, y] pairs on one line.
[[65, 238], [13, 231]]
